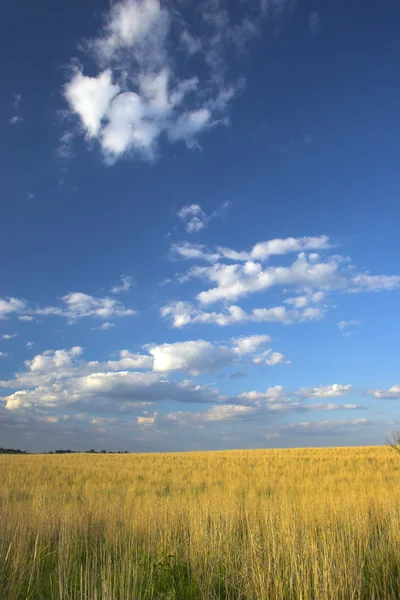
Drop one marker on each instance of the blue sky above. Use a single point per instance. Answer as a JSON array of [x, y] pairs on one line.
[[200, 225]]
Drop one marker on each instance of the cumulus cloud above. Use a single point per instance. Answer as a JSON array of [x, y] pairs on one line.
[[249, 344], [232, 275], [237, 280], [271, 394], [271, 358], [363, 282], [105, 392], [194, 357], [9, 336], [391, 393], [11, 305], [141, 90], [262, 251], [3, 354], [328, 391], [77, 305], [182, 314], [193, 217]]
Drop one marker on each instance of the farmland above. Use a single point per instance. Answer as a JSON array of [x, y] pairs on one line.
[[321, 524]]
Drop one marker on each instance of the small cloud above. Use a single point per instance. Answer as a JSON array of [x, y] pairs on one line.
[[195, 219], [271, 359], [124, 287], [15, 120], [104, 326], [29, 344], [308, 139], [26, 318], [65, 150], [346, 327], [392, 393], [314, 23], [3, 354], [271, 436], [328, 391], [30, 195], [9, 336]]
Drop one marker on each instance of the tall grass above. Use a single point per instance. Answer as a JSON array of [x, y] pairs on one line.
[[321, 524]]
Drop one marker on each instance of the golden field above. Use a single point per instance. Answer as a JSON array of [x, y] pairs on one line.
[[321, 524]]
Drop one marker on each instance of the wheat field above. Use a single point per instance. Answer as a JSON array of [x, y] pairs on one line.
[[321, 524]]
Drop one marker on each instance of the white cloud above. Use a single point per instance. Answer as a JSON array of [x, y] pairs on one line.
[[272, 394], [314, 278], [29, 344], [236, 281], [250, 344], [271, 358], [127, 361], [124, 287], [78, 305], [3, 354], [90, 97], [391, 393], [116, 392], [26, 318], [227, 412], [140, 90], [9, 336], [362, 282], [186, 250], [194, 219], [194, 357], [147, 420], [11, 305], [261, 251], [53, 360], [328, 391], [184, 313]]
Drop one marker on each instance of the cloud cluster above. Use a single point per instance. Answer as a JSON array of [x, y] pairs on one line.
[[155, 77], [75, 305], [182, 314], [233, 275], [392, 393]]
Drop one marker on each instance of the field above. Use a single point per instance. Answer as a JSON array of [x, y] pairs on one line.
[[321, 524]]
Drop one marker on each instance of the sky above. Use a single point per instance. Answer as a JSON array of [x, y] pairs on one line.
[[200, 224]]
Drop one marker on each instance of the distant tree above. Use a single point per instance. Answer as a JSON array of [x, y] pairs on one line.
[[394, 441], [104, 451], [12, 451]]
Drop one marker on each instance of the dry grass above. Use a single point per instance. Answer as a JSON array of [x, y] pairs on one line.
[[319, 524]]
